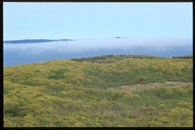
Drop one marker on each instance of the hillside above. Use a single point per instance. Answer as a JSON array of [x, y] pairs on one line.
[[113, 58], [184, 57], [106, 91], [35, 40]]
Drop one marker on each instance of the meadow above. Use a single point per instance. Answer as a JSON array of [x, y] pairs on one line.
[[104, 91]]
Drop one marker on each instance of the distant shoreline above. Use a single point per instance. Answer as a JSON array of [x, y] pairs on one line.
[[35, 40]]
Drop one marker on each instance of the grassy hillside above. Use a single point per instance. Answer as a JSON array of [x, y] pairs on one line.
[[89, 92]]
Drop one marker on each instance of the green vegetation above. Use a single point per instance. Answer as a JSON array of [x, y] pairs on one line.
[[112, 58], [184, 57], [81, 93]]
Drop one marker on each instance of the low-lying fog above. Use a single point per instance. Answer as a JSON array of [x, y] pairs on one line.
[[26, 53]]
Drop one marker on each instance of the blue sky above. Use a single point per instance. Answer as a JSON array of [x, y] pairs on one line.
[[96, 20]]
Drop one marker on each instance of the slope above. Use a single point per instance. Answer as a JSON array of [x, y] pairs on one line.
[[72, 93]]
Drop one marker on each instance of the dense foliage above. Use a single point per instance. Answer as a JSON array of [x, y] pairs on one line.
[[78, 93], [184, 57], [112, 58]]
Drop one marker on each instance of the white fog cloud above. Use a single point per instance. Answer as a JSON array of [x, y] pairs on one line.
[[78, 48]]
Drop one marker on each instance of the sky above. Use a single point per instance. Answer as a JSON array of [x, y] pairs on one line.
[[68, 20]]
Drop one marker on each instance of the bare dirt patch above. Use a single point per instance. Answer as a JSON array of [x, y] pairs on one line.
[[150, 85]]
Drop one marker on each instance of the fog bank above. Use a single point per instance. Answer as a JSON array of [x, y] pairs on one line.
[[15, 54]]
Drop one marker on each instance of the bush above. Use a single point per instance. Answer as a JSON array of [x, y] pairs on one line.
[[57, 74]]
